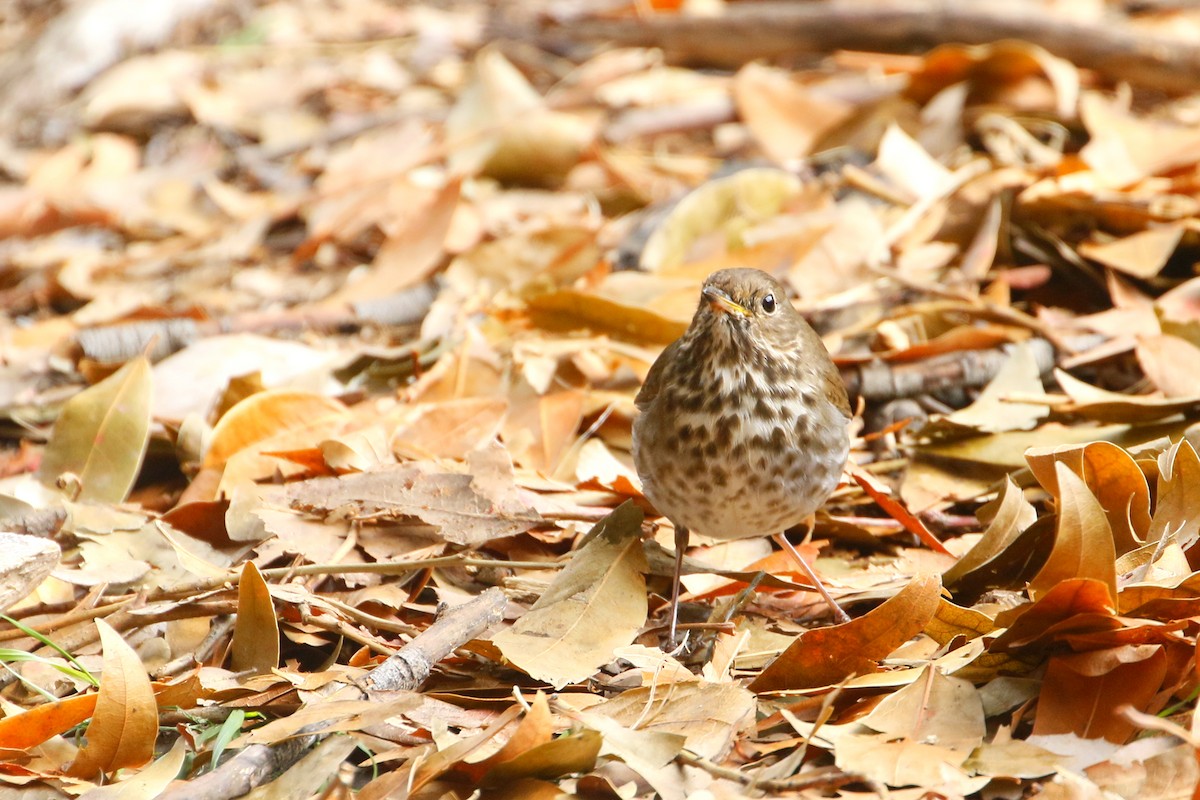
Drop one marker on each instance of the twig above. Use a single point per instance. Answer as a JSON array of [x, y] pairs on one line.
[[234, 578], [406, 669], [750, 31], [830, 777]]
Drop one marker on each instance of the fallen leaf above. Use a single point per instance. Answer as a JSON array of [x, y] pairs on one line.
[[724, 205], [1142, 255], [824, 656], [255, 646], [707, 715], [447, 500], [933, 708], [594, 605], [125, 723], [1083, 541], [102, 434], [1082, 692], [148, 783]]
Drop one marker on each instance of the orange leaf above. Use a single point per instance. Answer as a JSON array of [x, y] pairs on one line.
[[1081, 692], [1083, 542], [125, 725], [827, 655], [1082, 603], [265, 415], [256, 633], [896, 510]]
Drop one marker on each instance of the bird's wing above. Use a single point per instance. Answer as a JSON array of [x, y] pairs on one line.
[[654, 378], [835, 389]]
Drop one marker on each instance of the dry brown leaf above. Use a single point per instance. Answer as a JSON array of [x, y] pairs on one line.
[[1010, 515], [787, 118], [1112, 475], [596, 604], [255, 646], [1168, 361], [449, 501], [824, 656], [102, 434], [1083, 692], [124, 725], [1142, 255], [1083, 541], [707, 716]]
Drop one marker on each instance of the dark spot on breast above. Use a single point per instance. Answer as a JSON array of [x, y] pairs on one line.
[[803, 426], [691, 401], [778, 438], [686, 432], [723, 436], [711, 449], [719, 476], [761, 462], [764, 410], [696, 452], [738, 452], [716, 401]]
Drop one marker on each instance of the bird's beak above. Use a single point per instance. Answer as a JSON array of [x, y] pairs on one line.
[[719, 301]]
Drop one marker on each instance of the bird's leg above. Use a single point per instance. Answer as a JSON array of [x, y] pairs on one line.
[[681, 543], [839, 615]]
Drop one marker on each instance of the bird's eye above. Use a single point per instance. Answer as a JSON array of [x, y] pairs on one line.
[[768, 304]]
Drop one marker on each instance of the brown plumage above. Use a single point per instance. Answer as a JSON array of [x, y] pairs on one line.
[[742, 430]]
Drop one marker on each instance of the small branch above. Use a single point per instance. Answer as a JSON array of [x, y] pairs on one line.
[[409, 666], [824, 777], [768, 30], [406, 669]]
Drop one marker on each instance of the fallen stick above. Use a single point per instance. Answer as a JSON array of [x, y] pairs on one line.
[[770, 30], [404, 670]]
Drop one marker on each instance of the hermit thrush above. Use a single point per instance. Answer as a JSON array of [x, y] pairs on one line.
[[743, 423]]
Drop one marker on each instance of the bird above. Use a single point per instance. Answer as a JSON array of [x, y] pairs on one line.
[[742, 424]]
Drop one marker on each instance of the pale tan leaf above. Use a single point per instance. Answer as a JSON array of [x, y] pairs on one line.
[[148, 783], [992, 412], [592, 607], [909, 167], [462, 512], [1170, 363], [102, 434], [1142, 255], [724, 206], [707, 715], [933, 708], [786, 117]]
